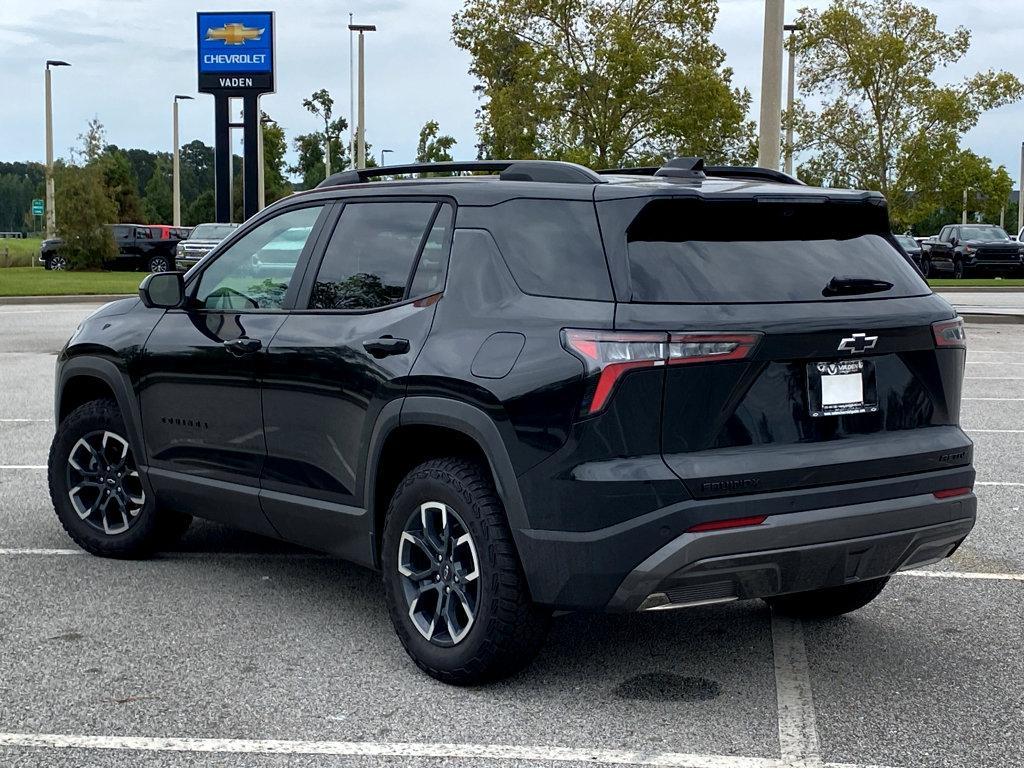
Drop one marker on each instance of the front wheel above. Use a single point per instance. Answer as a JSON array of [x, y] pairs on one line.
[[926, 267], [97, 491], [455, 589], [959, 271], [829, 602], [56, 262]]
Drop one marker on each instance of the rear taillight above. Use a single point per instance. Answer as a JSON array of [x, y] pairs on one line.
[[610, 354], [950, 333]]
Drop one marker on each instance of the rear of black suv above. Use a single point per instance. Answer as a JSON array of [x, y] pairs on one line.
[[770, 409]]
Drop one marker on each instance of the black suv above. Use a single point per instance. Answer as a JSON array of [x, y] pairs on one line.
[[139, 246], [544, 388]]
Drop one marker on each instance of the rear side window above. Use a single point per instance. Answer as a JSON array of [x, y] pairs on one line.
[[372, 253], [708, 253], [552, 247]]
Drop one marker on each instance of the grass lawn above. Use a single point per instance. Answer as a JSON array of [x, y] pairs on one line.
[[19, 252], [35, 281], [976, 282]]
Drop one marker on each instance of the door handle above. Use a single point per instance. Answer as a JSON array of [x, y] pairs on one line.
[[385, 346], [243, 346]]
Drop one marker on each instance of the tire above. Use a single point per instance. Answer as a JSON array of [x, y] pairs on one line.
[[160, 263], [56, 262], [959, 271], [926, 267], [830, 602], [506, 630], [128, 524]]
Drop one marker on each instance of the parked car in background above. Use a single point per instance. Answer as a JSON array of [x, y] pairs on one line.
[[200, 242], [167, 232], [965, 249], [910, 244], [138, 246]]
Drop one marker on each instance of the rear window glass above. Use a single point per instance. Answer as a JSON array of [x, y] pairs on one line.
[[552, 247], [699, 253]]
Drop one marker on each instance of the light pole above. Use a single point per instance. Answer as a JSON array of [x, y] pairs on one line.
[[361, 130], [382, 155], [264, 121], [963, 218], [1020, 193], [176, 165], [791, 93], [770, 128], [51, 217]]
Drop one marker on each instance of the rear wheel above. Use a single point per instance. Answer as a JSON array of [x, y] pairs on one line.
[[159, 263], [454, 586], [830, 602], [97, 491]]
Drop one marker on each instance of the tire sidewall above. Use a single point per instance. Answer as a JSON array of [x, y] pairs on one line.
[[433, 488], [84, 420]]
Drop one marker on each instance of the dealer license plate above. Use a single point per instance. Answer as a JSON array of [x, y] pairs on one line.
[[841, 387]]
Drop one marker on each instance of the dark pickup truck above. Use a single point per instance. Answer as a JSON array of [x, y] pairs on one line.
[[962, 250], [138, 246]]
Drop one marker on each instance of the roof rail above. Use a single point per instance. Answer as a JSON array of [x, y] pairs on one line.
[[755, 173], [508, 170]]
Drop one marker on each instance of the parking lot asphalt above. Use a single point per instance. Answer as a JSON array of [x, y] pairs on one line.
[[236, 650]]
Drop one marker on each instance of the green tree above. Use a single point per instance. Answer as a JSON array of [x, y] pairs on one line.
[[321, 104], [159, 199], [93, 141], [603, 83], [884, 123], [122, 185], [84, 209], [431, 147], [275, 183]]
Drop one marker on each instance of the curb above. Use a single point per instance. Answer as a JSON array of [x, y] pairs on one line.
[[977, 289], [69, 299], [990, 317]]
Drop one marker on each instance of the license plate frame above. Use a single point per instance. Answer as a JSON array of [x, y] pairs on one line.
[[832, 387]]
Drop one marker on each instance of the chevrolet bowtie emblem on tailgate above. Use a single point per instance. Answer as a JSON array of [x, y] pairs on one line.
[[858, 343], [234, 33]]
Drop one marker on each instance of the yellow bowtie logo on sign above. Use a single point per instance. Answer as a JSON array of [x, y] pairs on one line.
[[234, 34]]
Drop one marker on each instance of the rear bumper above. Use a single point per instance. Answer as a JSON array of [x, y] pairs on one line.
[[811, 538], [801, 551]]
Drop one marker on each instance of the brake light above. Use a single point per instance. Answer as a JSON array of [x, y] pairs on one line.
[[950, 333], [947, 493], [730, 523], [608, 355]]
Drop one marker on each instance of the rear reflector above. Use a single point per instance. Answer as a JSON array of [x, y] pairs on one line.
[[729, 523], [946, 493], [610, 354], [950, 333]]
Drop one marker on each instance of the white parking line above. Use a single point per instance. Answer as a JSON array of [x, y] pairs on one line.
[[999, 483], [961, 575], [26, 420], [976, 430], [22, 467], [401, 750], [798, 730], [993, 399], [1000, 378]]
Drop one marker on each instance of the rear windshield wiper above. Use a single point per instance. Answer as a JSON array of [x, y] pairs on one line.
[[846, 285]]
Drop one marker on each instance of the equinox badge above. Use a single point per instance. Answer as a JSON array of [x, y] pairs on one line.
[[858, 343]]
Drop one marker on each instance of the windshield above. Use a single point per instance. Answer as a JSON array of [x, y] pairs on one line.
[[212, 231], [906, 241], [983, 233]]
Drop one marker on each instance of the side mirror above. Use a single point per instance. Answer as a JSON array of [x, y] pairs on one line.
[[165, 290]]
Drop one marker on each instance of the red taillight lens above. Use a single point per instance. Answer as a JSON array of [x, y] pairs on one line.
[[950, 333], [730, 523], [610, 354], [946, 493]]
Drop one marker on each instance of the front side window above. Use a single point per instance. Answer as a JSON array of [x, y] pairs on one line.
[[370, 257], [256, 271]]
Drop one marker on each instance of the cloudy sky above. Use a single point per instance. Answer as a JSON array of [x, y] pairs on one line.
[[130, 56]]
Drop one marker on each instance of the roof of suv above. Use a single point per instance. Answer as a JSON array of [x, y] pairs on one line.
[[506, 179]]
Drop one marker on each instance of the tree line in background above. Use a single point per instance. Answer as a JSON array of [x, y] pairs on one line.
[[627, 83]]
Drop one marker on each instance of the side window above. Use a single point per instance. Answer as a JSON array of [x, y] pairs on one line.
[[254, 274], [122, 233], [143, 233], [371, 254], [552, 247], [432, 266]]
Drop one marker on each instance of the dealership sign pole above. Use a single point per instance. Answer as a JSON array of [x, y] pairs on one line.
[[236, 60]]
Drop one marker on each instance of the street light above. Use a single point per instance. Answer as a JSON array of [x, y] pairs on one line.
[[176, 169], [963, 219], [51, 217], [769, 140], [361, 130], [382, 155], [791, 93]]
